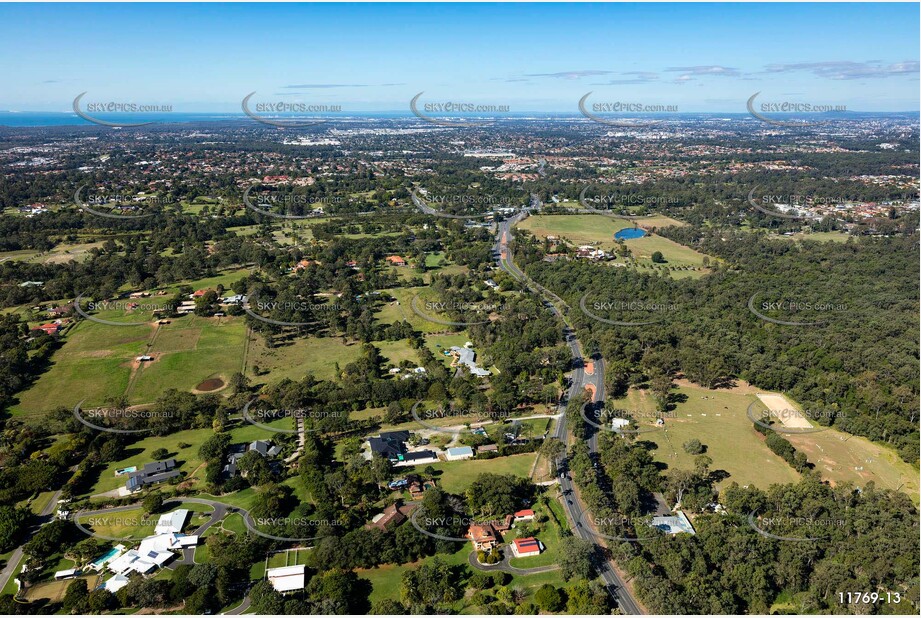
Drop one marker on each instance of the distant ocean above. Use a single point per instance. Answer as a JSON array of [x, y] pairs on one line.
[[55, 119]]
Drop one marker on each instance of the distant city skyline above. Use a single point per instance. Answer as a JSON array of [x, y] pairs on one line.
[[204, 58]]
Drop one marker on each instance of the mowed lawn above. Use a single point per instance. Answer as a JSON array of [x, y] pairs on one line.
[[183, 447], [719, 420], [589, 229], [134, 524], [457, 476], [385, 579]]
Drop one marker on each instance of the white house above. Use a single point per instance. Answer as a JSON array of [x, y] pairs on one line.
[[172, 522], [116, 583]]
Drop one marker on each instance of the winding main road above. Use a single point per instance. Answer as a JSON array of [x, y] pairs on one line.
[[579, 381]]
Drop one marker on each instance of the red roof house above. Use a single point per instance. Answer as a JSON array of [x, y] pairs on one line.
[[522, 548]]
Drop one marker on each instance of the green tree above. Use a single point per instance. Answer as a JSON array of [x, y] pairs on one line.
[[575, 559], [12, 525], [76, 597], [549, 598]]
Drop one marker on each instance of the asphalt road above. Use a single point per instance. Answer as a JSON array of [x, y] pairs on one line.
[[571, 502], [43, 518]]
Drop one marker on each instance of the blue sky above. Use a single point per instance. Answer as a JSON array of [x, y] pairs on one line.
[[531, 57]]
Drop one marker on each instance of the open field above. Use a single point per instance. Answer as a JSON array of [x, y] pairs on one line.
[[397, 351], [401, 309], [600, 230], [579, 229], [60, 254], [315, 355], [217, 352], [721, 423], [94, 364], [456, 476], [841, 457], [97, 361], [719, 420]]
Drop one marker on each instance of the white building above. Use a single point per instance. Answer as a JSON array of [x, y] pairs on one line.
[[116, 583], [287, 579], [458, 453], [172, 522]]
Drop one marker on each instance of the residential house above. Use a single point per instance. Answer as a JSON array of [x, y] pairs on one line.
[[467, 357], [396, 260], [484, 537], [524, 515], [151, 474], [523, 548], [673, 524], [390, 444], [172, 523], [391, 517]]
